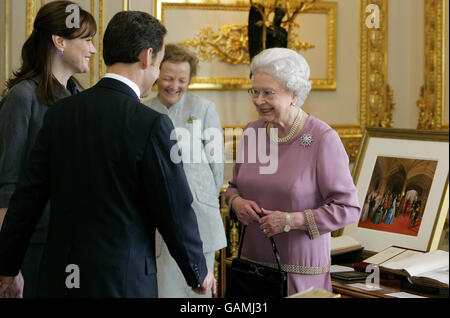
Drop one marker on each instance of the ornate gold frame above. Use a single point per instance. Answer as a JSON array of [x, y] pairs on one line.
[[376, 110], [31, 11], [375, 97], [431, 101], [101, 31], [232, 83]]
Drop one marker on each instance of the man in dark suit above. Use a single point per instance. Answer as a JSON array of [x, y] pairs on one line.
[[103, 159]]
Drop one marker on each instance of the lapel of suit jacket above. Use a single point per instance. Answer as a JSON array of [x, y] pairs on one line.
[[117, 86]]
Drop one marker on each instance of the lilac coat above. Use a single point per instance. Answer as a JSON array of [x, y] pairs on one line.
[[314, 178]]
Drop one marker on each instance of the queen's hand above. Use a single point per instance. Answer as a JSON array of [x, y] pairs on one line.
[[246, 210]]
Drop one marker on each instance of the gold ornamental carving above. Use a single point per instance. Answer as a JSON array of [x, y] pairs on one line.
[[351, 136], [298, 45], [351, 145], [376, 95], [228, 45], [31, 11], [217, 271], [234, 238], [101, 32], [430, 102], [386, 120]]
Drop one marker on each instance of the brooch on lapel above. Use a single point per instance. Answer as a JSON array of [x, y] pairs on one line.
[[191, 119], [306, 140]]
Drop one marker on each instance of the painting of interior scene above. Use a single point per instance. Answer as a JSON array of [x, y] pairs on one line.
[[397, 195]]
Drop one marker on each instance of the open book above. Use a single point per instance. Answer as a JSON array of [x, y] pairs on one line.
[[343, 244], [428, 269]]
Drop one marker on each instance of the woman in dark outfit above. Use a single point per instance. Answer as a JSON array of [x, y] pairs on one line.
[[54, 52]]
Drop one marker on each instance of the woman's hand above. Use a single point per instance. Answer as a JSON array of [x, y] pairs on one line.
[[246, 211], [273, 222]]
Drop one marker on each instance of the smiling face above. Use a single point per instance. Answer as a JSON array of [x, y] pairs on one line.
[[173, 82], [273, 101], [77, 54]]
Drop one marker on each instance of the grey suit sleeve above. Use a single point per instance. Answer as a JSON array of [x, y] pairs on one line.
[[26, 204], [169, 199], [15, 114], [212, 121]]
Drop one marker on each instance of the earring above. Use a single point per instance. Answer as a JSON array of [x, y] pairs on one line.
[[61, 53]]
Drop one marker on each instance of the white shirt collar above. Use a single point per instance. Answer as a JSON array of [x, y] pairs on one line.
[[126, 81]]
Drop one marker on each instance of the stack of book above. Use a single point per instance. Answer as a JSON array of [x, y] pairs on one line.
[[426, 272], [345, 249]]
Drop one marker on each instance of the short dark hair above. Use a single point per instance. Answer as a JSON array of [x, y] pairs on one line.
[[130, 32]]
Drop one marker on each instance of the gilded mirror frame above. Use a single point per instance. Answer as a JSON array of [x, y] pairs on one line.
[[243, 83]]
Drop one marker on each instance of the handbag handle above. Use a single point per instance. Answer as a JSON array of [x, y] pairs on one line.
[[274, 248]]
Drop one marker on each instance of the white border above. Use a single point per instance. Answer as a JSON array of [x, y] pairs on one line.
[[376, 241]]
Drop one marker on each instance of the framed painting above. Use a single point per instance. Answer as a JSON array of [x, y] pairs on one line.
[[402, 181]]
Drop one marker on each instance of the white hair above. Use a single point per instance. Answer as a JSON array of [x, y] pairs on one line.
[[287, 66]]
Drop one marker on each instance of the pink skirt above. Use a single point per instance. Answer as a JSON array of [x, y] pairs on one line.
[[298, 282]]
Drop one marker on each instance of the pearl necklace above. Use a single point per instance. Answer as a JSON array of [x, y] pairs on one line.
[[292, 131]]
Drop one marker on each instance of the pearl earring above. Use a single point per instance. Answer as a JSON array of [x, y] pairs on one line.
[[61, 53]]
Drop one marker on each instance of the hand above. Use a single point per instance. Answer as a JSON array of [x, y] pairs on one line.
[[5, 283], [15, 289], [246, 211], [273, 222], [208, 284]]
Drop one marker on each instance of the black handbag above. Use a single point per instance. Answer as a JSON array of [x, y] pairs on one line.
[[250, 279]]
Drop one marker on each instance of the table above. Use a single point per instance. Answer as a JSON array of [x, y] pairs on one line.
[[387, 286]]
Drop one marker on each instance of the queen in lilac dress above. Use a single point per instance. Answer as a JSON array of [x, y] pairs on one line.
[[305, 191]]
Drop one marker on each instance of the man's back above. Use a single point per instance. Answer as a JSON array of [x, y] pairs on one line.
[[103, 160], [97, 143], [111, 182]]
